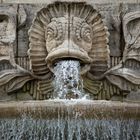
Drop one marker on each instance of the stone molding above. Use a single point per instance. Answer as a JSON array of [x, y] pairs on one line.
[[91, 1]]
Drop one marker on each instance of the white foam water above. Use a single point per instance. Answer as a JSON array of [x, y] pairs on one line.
[[68, 83]]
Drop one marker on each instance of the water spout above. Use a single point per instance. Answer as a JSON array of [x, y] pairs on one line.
[[68, 82]]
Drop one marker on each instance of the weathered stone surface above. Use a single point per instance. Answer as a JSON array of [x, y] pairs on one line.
[[111, 14], [55, 109], [134, 96], [122, 79], [129, 67], [8, 46], [9, 70], [23, 41], [5, 97]]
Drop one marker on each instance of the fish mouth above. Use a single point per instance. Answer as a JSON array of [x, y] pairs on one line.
[[61, 54]]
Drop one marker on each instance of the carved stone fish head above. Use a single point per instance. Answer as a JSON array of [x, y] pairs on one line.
[[68, 38], [68, 31]]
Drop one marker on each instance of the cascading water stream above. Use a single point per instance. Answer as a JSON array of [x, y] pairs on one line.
[[68, 83], [27, 128]]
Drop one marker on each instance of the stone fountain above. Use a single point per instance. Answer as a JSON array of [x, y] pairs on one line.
[[80, 55]]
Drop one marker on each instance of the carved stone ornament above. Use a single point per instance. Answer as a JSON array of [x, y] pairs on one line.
[[68, 31], [75, 31], [12, 76], [128, 71]]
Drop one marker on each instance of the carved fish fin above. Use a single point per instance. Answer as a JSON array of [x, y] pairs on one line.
[[14, 78], [44, 89]]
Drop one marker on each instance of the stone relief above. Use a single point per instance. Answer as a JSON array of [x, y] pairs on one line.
[[66, 31], [127, 72], [12, 76], [70, 31]]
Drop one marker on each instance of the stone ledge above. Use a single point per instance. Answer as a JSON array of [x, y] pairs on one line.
[[48, 1], [86, 109]]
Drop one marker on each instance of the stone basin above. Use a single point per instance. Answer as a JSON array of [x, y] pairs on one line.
[[54, 109]]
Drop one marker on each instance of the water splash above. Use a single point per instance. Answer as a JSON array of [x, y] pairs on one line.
[[68, 83]]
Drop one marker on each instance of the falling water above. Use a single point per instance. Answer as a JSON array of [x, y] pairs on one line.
[[27, 128], [68, 83]]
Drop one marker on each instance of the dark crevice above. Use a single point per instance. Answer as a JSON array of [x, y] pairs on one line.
[[16, 54], [122, 41]]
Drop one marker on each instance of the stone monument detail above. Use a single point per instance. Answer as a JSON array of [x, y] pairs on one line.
[[76, 31]]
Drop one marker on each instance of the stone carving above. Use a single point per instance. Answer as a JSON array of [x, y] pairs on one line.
[[21, 16], [127, 72], [61, 34], [72, 31], [8, 35], [67, 31], [11, 74]]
